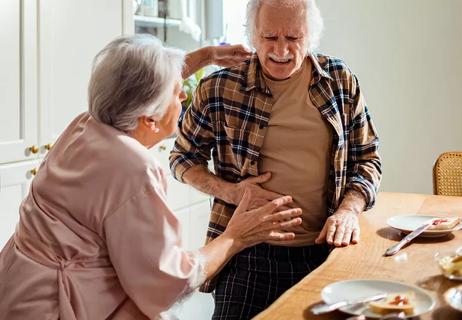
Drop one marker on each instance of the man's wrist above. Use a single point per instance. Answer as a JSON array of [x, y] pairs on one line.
[[230, 192], [353, 202]]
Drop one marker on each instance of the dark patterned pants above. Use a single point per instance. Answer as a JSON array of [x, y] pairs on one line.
[[257, 276]]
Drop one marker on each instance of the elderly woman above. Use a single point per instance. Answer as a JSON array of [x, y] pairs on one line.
[[96, 239]]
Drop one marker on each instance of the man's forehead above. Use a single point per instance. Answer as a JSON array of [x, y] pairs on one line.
[[281, 28], [281, 19]]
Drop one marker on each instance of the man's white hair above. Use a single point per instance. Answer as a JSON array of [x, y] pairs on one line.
[[314, 20], [133, 76]]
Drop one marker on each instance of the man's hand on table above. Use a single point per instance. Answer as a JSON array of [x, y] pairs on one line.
[[340, 229]]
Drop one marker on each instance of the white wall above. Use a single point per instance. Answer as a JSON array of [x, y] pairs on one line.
[[234, 19], [408, 57]]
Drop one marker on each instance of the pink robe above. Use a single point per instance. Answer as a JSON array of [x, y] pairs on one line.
[[96, 239]]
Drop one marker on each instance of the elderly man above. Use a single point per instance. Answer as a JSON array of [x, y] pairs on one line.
[[286, 122]]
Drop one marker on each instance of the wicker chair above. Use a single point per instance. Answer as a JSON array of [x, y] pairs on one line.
[[447, 174]]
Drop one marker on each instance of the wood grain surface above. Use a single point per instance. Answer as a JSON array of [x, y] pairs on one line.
[[414, 264]]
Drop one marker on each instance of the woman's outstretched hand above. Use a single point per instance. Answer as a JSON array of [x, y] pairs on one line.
[[250, 227], [228, 55]]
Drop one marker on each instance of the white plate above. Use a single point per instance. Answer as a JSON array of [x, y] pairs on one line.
[[356, 289], [453, 297], [409, 223]]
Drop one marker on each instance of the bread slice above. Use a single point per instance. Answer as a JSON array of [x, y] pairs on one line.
[[444, 223], [394, 302]]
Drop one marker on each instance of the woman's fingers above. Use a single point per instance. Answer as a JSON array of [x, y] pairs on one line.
[[281, 236], [282, 215], [245, 201], [272, 205], [290, 223]]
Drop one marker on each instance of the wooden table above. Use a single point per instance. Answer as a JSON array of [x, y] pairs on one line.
[[414, 264]]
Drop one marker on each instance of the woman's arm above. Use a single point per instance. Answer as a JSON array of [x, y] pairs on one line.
[[143, 241], [223, 56]]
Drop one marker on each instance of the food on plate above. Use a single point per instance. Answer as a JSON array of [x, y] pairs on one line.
[[394, 302], [451, 265], [444, 223]]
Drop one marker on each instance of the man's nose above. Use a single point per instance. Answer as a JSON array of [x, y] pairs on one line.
[[281, 48]]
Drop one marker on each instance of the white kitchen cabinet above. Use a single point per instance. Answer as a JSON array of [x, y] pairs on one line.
[[46, 63], [200, 214], [46, 54], [184, 200], [15, 179], [71, 33], [18, 83], [184, 218]]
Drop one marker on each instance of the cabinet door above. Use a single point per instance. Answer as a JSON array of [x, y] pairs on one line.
[[199, 222], [184, 219], [18, 83], [14, 185], [71, 34]]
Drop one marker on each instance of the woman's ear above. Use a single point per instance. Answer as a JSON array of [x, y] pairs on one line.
[[150, 123]]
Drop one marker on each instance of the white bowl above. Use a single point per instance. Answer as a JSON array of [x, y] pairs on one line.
[[445, 258]]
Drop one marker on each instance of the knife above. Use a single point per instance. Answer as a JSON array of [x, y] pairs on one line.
[[396, 247], [328, 307]]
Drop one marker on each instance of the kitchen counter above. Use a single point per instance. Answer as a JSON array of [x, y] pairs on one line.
[[414, 264]]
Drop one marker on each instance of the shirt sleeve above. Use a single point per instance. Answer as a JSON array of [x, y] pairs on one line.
[[143, 240], [363, 164], [195, 136]]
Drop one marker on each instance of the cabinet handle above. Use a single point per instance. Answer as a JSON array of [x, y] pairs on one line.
[[34, 149], [48, 146], [162, 148], [33, 171]]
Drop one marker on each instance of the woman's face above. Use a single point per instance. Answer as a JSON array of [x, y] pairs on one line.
[[169, 122]]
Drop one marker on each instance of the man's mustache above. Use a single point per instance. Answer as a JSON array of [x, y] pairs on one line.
[[275, 57]]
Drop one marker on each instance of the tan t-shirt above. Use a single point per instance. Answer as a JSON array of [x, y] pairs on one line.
[[296, 150]]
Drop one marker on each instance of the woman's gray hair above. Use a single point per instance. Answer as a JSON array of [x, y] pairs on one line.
[[314, 20], [133, 76]]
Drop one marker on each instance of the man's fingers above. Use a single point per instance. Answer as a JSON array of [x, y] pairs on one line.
[[355, 236], [339, 233], [331, 229], [259, 179], [322, 235]]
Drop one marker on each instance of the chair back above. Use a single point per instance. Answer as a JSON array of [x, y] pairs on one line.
[[447, 174]]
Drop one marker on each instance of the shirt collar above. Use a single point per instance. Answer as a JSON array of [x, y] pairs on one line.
[[319, 70], [254, 79]]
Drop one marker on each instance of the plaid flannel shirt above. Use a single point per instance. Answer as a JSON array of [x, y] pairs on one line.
[[229, 116]]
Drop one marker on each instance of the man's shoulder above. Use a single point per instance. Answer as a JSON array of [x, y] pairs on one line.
[[227, 76], [333, 66]]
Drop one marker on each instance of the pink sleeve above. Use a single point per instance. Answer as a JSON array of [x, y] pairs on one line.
[[144, 245]]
